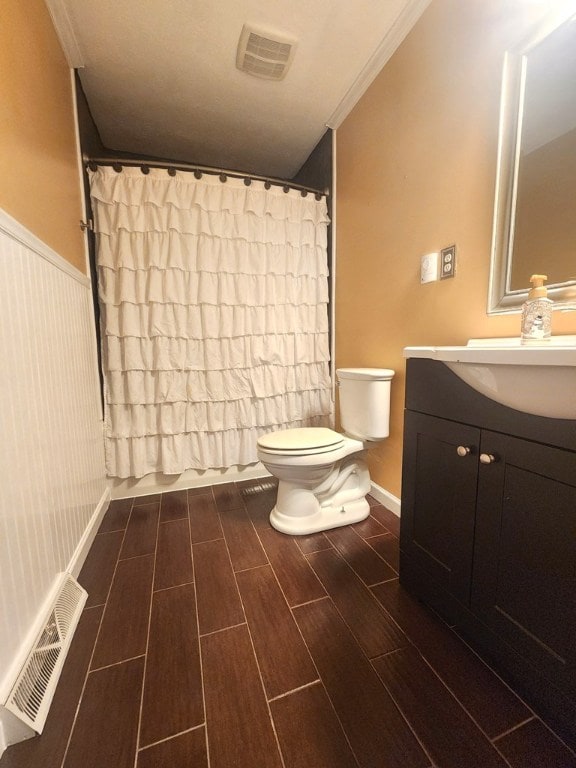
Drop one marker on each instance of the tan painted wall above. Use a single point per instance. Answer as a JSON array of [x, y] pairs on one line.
[[416, 164], [39, 183]]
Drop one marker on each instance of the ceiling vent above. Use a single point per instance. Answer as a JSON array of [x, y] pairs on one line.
[[264, 55]]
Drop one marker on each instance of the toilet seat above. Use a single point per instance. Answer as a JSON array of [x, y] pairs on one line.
[[304, 441]]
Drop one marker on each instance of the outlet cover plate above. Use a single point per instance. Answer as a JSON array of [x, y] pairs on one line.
[[447, 262]]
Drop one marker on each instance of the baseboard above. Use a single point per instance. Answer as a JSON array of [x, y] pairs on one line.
[[159, 483], [386, 498], [81, 551]]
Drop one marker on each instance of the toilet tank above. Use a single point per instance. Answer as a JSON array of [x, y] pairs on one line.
[[365, 402]]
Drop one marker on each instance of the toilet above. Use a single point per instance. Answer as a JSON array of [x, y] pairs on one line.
[[323, 476]]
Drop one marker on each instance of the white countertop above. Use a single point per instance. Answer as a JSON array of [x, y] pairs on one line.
[[559, 351]]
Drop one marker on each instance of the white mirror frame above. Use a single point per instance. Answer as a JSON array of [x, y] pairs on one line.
[[501, 299]]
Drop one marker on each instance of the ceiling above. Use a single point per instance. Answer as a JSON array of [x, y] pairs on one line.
[[161, 80]]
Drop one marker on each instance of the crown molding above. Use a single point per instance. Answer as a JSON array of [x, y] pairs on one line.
[[66, 33], [398, 31]]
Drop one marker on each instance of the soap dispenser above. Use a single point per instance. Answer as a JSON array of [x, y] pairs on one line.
[[537, 313]]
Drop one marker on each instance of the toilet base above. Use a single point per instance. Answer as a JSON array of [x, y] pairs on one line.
[[324, 518]]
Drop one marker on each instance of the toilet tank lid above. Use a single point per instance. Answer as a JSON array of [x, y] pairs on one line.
[[375, 374]]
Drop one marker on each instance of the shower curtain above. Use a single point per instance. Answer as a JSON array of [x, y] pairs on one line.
[[214, 317]]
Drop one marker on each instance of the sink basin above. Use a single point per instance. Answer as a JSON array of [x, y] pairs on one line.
[[538, 379]]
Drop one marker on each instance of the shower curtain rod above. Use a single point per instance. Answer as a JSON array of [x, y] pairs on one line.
[[145, 165]]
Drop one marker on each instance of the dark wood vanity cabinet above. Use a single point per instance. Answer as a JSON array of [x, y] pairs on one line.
[[488, 532], [439, 499]]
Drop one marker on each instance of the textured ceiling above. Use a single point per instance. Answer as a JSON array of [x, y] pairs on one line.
[[160, 76]]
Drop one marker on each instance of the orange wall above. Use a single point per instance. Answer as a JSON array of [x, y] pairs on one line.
[[39, 184], [416, 163]]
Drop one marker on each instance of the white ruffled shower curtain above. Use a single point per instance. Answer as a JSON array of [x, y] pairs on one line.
[[214, 317]]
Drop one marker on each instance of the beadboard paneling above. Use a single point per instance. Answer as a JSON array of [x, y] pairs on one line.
[[51, 451]]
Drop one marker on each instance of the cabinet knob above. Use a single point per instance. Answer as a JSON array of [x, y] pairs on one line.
[[487, 458], [463, 450]]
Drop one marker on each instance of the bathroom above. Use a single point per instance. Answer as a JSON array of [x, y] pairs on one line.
[[415, 170]]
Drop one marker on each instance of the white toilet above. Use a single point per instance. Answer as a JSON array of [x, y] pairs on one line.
[[323, 476]]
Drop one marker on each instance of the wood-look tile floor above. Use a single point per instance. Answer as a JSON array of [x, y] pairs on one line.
[[209, 640]]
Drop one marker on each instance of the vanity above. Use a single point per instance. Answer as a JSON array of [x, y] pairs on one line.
[[488, 527]]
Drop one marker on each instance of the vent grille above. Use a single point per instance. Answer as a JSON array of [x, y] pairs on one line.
[[261, 55], [32, 693], [252, 490]]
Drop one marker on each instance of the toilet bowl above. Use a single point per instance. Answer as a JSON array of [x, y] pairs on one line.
[[323, 476]]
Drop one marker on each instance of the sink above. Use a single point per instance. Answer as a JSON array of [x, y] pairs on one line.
[[538, 379]]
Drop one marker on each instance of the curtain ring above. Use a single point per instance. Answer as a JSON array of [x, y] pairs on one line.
[[145, 169], [197, 174], [304, 193], [247, 181], [318, 196], [267, 184], [286, 188], [223, 178], [117, 167], [171, 171], [92, 165]]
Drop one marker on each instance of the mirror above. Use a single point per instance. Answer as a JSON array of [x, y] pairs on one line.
[[535, 207]]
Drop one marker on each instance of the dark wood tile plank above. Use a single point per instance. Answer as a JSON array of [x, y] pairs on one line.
[[374, 727], [49, 748], [243, 543], [369, 527], [315, 542], [106, 727], [386, 545], [173, 555], [204, 519], [449, 736], [283, 658], [219, 603], [172, 701], [369, 623], [227, 496], [125, 623], [98, 569], [388, 519], [240, 733], [469, 679], [309, 731], [117, 516], [173, 506], [199, 490], [150, 498], [534, 746], [360, 556], [185, 751], [259, 498], [140, 538], [297, 579]]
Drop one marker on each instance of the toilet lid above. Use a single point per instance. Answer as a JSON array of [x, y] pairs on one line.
[[300, 439]]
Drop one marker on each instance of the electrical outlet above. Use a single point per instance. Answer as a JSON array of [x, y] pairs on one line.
[[447, 262]]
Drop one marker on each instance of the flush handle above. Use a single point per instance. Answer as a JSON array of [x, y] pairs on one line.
[[463, 450], [487, 458]]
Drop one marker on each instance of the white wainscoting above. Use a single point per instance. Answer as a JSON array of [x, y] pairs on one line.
[[53, 485]]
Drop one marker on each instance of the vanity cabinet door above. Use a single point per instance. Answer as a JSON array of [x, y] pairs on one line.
[[440, 469], [524, 579]]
